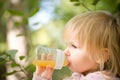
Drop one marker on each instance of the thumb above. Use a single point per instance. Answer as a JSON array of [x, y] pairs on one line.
[[39, 70], [48, 72]]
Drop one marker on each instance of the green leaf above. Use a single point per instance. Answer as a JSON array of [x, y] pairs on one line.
[[74, 0], [9, 73], [12, 53], [21, 57], [14, 65], [21, 34], [2, 56], [30, 68], [2, 62], [118, 7], [76, 4], [16, 12], [25, 20], [17, 23], [110, 5], [34, 11], [95, 2]]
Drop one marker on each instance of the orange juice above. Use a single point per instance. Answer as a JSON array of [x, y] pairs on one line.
[[49, 56], [44, 63]]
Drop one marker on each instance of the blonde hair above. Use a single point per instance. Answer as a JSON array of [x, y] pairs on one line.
[[99, 30]]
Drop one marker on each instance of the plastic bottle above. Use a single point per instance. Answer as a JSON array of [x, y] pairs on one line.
[[56, 57]]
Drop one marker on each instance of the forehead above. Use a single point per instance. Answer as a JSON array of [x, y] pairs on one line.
[[74, 39]]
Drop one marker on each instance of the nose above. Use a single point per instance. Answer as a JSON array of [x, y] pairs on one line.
[[67, 52]]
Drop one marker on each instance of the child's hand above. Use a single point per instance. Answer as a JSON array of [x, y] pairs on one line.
[[45, 72]]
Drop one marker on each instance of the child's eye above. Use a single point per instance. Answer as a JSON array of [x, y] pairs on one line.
[[74, 46]]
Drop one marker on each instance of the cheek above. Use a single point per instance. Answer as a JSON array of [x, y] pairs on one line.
[[79, 55], [77, 59], [76, 63], [80, 62]]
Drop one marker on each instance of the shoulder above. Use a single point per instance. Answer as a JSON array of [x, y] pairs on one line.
[[90, 76], [94, 76], [99, 76], [117, 78]]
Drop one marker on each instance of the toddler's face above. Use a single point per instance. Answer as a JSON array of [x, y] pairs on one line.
[[78, 58]]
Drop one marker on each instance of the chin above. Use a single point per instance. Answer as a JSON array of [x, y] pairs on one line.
[[77, 71], [73, 70]]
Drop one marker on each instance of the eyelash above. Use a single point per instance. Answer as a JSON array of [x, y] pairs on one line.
[[74, 46]]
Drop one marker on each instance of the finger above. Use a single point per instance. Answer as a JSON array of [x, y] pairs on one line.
[[48, 72], [49, 69], [43, 56], [39, 70], [49, 57]]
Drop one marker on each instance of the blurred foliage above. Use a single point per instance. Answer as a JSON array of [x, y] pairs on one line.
[[112, 6], [8, 58], [24, 9], [50, 34]]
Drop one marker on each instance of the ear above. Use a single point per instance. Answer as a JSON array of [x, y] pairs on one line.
[[104, 54]]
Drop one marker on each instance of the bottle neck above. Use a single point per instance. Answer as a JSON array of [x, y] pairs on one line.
[[60, 58]]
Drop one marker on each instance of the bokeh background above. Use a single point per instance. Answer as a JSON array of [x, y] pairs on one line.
[[25, 24]]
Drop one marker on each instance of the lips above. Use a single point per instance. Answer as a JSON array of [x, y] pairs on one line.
[[68, 63]]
